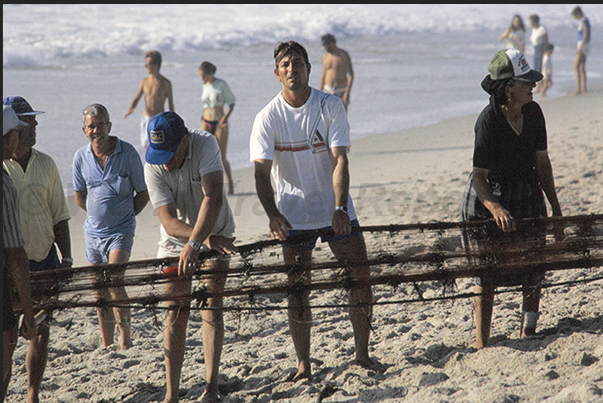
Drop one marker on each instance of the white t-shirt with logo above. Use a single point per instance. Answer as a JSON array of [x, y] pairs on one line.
[[297, 141]]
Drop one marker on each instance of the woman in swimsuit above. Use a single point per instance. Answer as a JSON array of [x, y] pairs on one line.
[[216, 93]]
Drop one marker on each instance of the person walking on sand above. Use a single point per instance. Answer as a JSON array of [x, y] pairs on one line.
[[511, 170], [186, 182], [15, 264], [337, 72], [44, 222], [582, 51], [302, 136], [108, 179], [156, 90], [216, 93]]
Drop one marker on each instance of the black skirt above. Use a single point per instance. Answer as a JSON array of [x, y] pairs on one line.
[[523, 199]]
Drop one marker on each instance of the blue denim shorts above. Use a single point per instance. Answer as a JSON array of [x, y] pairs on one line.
[[310, 243], [98, 249]]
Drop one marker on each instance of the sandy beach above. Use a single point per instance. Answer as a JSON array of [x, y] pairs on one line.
[[427, 347]]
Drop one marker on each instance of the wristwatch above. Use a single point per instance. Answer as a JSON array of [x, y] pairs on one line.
[[342, 208], [196, 245]]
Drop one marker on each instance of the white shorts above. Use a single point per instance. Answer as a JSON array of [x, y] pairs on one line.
[[585, 48], [144, 137], [339, 92]]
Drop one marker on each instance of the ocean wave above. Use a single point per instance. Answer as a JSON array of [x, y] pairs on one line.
[[53, 34]]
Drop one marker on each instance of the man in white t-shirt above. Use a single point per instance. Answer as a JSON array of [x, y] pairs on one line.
[[184, 174], [302, 137]]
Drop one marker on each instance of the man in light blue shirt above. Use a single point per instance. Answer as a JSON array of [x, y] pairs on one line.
[[108, 179]]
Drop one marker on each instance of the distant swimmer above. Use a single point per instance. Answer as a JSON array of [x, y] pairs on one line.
[[156, 90], [337, 73]]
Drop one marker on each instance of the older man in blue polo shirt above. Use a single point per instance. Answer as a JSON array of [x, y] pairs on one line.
[[108, 179]]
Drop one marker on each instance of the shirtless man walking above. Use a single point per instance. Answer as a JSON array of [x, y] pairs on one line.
[[337, 73], [156, 90]]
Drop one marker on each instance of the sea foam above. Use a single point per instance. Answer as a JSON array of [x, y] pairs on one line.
[[54, 34]]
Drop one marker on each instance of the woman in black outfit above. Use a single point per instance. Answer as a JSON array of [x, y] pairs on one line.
[[511, 169]]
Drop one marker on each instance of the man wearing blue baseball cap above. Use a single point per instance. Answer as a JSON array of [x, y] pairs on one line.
[[184, 174]]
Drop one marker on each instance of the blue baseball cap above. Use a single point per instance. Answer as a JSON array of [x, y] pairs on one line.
[[20, 106], [165, 130]]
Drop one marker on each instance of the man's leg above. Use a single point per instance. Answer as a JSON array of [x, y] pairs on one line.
[[122, 316], [35, 362], [174, 336], [353, 249], [213, 328], [300, 315], [106, 319], [106, 315], [484, 303], [37, 353], [9, 342]]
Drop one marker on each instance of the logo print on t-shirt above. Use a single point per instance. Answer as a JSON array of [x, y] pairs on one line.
[[318, 142]]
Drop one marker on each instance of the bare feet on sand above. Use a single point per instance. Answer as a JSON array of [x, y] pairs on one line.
[[371, 365], [210, 397], [526, 332], [298, 376]]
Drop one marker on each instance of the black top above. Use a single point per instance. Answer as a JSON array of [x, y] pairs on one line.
[[509, 157]]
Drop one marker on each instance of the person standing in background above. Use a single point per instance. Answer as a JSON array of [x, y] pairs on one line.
[[108, 179], [15, 265], [44, 222], [538, 39], [582, 51], [216, 93], [547, 69], [337, 72], [515, 34], [156, 90]]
